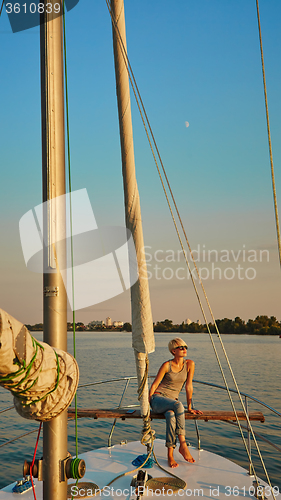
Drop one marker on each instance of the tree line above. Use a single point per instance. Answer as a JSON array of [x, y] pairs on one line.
[[262, 325]]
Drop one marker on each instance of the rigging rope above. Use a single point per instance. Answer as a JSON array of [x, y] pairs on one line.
[[18, 437], [33, 460], [2, 7], [141, 108], [70, 213], [269, 138]]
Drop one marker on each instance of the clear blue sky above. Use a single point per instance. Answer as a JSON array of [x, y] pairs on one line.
[[197, 62]]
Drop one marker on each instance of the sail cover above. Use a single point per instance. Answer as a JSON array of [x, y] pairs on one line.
[[142, 324], [42, 379]]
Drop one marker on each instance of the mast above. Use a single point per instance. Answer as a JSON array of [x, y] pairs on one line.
[[55, 302], [142, 325]]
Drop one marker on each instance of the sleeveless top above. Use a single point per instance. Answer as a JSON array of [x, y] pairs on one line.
[[172, 382]]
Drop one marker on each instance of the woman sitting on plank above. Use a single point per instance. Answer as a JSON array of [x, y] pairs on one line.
[[163, 397]]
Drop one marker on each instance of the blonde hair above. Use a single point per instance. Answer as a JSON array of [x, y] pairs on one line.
[[174, 343]]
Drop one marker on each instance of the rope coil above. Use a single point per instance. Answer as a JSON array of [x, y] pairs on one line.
[[74, 467], [148, 434]]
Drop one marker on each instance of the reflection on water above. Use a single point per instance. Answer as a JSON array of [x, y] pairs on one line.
[[109, 355]]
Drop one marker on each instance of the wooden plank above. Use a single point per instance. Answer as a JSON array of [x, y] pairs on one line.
[[124, 413]]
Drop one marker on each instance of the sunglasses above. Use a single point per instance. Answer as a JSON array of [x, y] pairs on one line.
[[182, 347]]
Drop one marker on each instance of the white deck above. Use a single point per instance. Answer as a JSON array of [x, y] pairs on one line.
[[212, 476]]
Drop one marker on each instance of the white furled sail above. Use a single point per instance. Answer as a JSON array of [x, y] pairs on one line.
[[42, 379], [142, 324]]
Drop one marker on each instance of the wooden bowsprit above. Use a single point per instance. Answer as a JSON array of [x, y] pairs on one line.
[[124, 413]]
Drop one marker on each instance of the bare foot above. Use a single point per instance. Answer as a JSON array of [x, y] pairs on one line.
[[183, 449], [171, 461]]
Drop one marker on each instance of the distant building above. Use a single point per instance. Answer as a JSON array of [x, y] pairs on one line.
[[187, 321], [95, 323], [108, 321], [118, 324]]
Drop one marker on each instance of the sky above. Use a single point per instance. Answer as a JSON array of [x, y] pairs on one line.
[[196, 62]]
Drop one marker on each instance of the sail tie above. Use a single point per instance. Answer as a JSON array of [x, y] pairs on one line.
[[144, 379], [148, 434]]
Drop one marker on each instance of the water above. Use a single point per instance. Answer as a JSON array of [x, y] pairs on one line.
[[255, 361]]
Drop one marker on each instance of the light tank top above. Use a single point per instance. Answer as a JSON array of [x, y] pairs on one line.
[[172, 382]]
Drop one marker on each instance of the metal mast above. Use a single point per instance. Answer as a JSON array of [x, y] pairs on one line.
[[142, 325], [55, 302]]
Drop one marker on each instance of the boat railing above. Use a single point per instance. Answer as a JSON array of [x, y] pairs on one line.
[[246, 396], [242, 394], [247, 428], [129, 379]]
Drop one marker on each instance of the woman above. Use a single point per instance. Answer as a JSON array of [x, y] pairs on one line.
[[163, 397]]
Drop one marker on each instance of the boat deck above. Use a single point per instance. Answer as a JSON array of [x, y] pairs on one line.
[[210, 477]]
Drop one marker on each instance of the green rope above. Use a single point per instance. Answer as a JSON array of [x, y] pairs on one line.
[[26, 389], [23, 368], [74, 466], [70, 206], [26, 370], [11, 376], [55, 387]]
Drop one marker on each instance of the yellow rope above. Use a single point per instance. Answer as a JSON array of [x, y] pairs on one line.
[[165, 470], [269, 139]]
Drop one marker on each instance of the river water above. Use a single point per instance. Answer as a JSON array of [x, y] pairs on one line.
[[255, 361]]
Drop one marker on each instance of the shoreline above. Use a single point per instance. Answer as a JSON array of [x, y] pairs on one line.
[[169, 333]]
